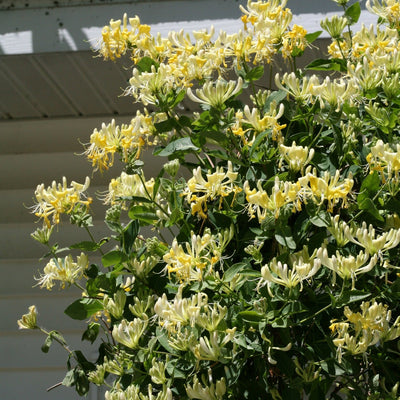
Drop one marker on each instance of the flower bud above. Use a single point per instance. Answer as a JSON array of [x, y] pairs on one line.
[[172, 167], [28, 321]]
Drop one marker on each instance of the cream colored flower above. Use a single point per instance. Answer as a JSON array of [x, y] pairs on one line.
[[216, 185], [302, 267], [126, 186], [296, 156], [215, 391], [129, 333], [373, 243], [180, 311], [59, 199], [29, 320], [64, 270], [365, 329], [347, 267], [301, 89], [216, 94], [327, 188], [264, 204]]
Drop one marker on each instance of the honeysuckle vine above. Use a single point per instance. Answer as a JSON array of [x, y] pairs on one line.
[[262, 260]]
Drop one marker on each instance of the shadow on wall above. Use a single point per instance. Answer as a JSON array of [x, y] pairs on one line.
[[58, 28]]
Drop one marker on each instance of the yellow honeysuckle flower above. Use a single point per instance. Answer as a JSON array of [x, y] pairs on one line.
[[129, 333], [218, 184], [29, 320], [347, 267], [365, 329], [296, 156], [59, 199], [127, 185], [180, 311], [372, 243], [64, 270], [260, 202], [302, 267], [327, 187], [216, 94]]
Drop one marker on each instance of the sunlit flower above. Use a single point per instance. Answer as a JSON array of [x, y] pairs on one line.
[[260, 123], [373, 243], [388, 10], [59, 199], [115, 305], [347, 267], [64, 270], [295, 39], [111, 139], [219, 184], [191, 261], [215, 391], [385, 160], [365, 329], [262, 203], [115, 41], [336, 92], [301, 89], [215, 95], [175, 314], [126, 186], [302, 267], [327, 187], [334, 26], [296, 156], [129, 333]]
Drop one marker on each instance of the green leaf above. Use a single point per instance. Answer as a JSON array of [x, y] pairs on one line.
[[251, 316], [321, 219], [146, 215], [178, 98], [351, 296], [369, 187], [165, 126], [275, 97], [255, 74], [353, 13], [182, 144], [163, 340], [284, 237], [49, 340], [255, 146], [69, 379], [113, 257], [130, 233], [91, 332], [311, 37], [366, 204], [85, 246], [371, 183], [145, 64], [231, 272], [334, 64], [83, 308]]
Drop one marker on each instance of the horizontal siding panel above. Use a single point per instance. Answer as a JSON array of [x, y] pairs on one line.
[[50, 306], [16, 239], [27, 345], [32, 385], [50, 135]]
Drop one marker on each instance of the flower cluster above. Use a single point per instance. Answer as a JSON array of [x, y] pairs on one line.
[[274, 213], [365, 329], [59, 199]]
